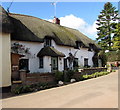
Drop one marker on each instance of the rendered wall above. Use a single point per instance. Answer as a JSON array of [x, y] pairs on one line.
[[5, 51], [0, 59], [80, 54], [36, 47]]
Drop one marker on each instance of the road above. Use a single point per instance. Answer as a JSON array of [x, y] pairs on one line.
[[101, 92]]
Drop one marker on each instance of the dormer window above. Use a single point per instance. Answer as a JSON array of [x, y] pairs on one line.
[[48, 42], [79, 45], [91, 47]]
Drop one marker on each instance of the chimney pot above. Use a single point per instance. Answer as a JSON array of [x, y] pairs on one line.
[[56, 21]]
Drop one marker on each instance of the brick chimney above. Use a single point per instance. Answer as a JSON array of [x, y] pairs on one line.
[[56, 21]]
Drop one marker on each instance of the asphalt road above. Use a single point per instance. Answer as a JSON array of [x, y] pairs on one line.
[[101, 92]]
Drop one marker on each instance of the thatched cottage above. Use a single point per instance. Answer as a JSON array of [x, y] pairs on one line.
[[37, 45]]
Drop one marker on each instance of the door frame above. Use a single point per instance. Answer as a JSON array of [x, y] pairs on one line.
[[52, 64]]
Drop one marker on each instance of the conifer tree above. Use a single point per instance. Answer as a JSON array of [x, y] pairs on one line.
[[108, 16], [116, 38]]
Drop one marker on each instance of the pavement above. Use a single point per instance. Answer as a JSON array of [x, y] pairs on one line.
[[101, 92]]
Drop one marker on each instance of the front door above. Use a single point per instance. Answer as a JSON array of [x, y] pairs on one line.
[[54, 63]]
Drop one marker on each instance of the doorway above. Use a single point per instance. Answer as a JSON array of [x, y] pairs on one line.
[[54, 63]]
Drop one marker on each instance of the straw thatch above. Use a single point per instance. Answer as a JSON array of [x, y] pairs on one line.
[[29, 28], [5, 21], [50, 51]]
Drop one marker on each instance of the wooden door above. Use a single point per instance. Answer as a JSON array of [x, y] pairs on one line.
[[54, 63]]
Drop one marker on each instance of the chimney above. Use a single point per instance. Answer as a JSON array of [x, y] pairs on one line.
[[56, 21]]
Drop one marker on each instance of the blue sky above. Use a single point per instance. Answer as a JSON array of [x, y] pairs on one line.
[[78, 15]]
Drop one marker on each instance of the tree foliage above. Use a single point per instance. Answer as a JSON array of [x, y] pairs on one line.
[[116, 38], [108, 16]]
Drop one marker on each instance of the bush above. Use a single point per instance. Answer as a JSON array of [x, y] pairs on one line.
[[113, 70], [81, 77], [94, 75], [85, 77], [23, 89], [59, 76], [76, 69], [33, 87], [103, 57], [68, 75], [113, 56]]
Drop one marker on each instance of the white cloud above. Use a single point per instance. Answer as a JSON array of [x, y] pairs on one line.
[[79, 24], [72, 21]]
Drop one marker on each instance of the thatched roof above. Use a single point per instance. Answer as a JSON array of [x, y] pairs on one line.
[[5, 21], [29, 28], [50, 51]]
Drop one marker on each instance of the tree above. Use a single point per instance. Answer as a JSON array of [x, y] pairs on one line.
[[116, 37], [71, 59], [105, 22]]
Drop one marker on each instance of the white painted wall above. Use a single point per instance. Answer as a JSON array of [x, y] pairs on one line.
[[5, 58], [81, 54], [60, 63], [36, 47], [47, 64]]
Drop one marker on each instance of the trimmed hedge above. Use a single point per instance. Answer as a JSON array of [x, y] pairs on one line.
[[94, 75]]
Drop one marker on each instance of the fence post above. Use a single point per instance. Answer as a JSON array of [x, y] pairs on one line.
[[23, 75]]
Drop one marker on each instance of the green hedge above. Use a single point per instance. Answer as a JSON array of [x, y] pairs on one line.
[[94, 75], [33, 87]]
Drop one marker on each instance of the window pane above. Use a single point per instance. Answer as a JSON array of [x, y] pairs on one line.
[[85, 61], [75, 63], [47, 42], [41, 62]]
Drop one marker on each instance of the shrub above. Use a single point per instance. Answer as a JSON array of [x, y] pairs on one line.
[[81, 77], [33, 87], [76, 69], [85, 77], [59, 76], [94, 75], [22, 89], [113, 56], [68, 75], [113, 70]]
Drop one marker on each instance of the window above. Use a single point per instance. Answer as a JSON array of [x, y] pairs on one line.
[[91, 47], [79, 45], [47, 42], [75, 62], [65, 64], [24, 64], [40, 62]]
